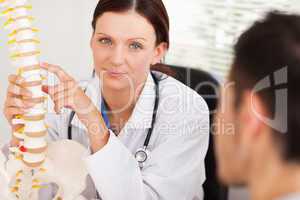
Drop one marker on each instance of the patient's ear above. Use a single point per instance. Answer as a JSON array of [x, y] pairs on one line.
[[160, 52], [250, 127]]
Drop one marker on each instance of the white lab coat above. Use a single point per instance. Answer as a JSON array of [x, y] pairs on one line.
[[295, 196], [175, 169]]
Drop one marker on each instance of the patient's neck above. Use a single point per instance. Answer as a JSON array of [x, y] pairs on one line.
[[275, 180]]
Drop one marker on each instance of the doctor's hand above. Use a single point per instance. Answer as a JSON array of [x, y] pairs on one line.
[[69, 94], [18, 101], [18, 98]]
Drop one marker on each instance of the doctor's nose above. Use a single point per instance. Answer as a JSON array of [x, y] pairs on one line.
[[118, 56]]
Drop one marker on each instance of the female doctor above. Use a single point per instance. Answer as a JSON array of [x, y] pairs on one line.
[[147, 132]]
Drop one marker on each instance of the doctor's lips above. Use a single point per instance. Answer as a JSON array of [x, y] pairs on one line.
[[114, 72]]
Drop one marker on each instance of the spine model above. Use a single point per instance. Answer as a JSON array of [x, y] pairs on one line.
[[34, 164], [23, 46]]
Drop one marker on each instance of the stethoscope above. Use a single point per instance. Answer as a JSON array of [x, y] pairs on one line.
[[141, 154]]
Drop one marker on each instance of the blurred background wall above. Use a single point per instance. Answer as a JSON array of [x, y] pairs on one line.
[[204, 42]]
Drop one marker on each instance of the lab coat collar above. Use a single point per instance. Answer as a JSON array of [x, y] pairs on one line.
[[141, 116]]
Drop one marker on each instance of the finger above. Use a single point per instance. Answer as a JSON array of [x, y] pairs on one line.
[[59, 91], [14, 95], [17, 90], [15, 79], [11, 112], [58, 71], [52, 90], [64, 102], [20, 103], [60, 95], [17, 127], [21, 82], [14, 142]]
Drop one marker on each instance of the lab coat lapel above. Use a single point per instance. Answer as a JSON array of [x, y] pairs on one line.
[[141, 116], [135, 130]]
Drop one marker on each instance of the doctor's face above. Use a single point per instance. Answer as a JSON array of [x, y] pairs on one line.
[[124, 47]]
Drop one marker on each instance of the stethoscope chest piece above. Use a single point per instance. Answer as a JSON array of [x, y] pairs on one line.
[[141, 155]]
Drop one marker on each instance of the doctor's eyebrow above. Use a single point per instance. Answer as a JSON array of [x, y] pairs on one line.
[[137, 38]]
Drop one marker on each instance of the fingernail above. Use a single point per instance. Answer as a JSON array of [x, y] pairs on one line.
[[27, 106], [43, 64], [19, 81]]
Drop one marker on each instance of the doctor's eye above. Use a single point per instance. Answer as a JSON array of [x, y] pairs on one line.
[[105, 41], [136, 46]]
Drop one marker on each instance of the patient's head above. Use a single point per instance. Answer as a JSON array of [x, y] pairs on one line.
[[258, 126]]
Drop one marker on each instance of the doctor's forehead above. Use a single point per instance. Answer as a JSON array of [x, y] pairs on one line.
[[125, 25]]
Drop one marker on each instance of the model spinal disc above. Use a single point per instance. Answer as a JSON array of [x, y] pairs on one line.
[[34, 163]]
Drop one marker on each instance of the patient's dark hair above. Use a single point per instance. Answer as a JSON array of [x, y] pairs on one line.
[[268, 46], [153, 10]]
